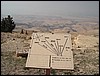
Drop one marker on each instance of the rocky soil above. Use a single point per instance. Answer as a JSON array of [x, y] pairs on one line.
[[86, 61]]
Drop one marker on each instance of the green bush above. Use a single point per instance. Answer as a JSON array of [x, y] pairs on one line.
[[7, 24]]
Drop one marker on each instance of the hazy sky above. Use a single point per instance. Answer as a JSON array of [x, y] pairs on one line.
[[53, 8]]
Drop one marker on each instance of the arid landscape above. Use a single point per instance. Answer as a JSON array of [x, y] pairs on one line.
[[85, 44]]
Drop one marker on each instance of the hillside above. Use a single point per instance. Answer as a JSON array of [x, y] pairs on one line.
[[85, 41], [86, 59]]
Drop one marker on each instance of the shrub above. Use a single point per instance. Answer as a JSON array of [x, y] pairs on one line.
[[22, 32]]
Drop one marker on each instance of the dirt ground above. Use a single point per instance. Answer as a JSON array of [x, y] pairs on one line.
[[86, 61]]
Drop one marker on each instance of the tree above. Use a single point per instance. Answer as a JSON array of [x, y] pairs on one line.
[[7, 24]]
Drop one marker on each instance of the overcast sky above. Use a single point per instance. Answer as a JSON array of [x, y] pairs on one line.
[[53, 8]]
